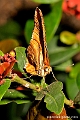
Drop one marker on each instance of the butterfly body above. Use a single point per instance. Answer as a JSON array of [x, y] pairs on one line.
[[37, 54]]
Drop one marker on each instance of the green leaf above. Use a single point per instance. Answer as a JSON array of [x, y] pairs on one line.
[[28, 30], [52, 45], [51, 22], [71, 87], [62, 54], [46, 1], [14, 95], [12, 43], [10, 30], [78, 80], [63, 66], [68, 38], [1, 53], [21, 57], [41, 94], [75, 71], [55, 98], [72, 82], [4, 87]]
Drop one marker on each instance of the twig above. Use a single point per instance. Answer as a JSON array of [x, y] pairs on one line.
[[23, 82]]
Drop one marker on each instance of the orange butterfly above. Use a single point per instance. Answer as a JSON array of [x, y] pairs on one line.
[[37, 54]]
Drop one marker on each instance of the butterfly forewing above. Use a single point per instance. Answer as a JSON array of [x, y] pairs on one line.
[[37, 54], [39, 29]]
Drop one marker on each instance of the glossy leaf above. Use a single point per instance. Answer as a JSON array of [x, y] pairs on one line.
[[71, 87], [53, 96], [4, 87], [68, 38], [64, 66], [72, 82], [8, 44], [75, 71], [78, 80], [10, 30], [14, 95], [51, 22], [46, 1], [28, 30], [40, 95], [1, 53], [52, 45], [21, 57], [62, 54]]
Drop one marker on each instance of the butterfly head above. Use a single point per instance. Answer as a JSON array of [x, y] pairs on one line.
[[45, 71]]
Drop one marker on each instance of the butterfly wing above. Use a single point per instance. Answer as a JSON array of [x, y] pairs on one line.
[[39, 21], [42, 36], [34, 49], [37, 50]]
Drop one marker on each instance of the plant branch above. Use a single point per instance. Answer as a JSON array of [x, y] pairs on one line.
[[69, 102], [23, 82]]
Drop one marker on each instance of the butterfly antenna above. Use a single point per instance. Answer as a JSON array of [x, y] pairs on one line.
[[65, 66], [54, 76]]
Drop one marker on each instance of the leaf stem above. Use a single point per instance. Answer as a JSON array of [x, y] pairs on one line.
[[69, 102], [23, 82]]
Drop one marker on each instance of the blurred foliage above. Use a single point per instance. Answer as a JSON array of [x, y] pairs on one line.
[[46, 1], [51, 21], [62, 47], [70, 38], [12, 43], [10, 30]]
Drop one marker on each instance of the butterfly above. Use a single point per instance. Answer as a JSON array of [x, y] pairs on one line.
[[37, 53]]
